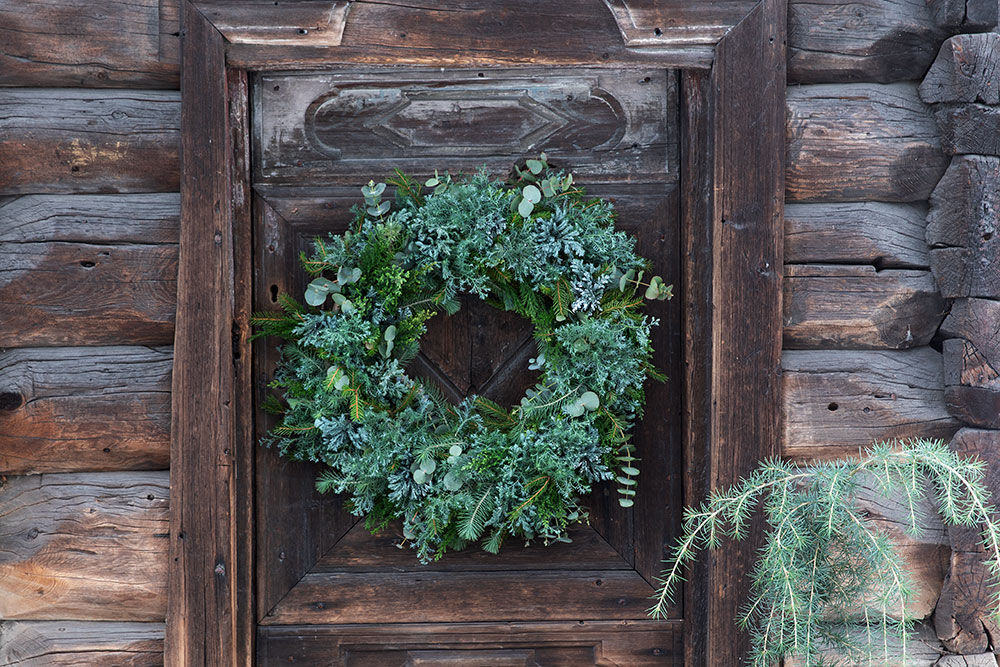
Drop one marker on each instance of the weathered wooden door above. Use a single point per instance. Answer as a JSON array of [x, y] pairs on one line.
[[287, 109], [318, 137]]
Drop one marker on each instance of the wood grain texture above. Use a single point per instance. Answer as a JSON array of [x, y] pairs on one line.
[[80, 644], [54, 293], [862, 142], [479, 33], [840, 400], [88, 141], [113, 43], [887, 236], [303, 23], [86, 546], [562, 644], [416, 597], [747, 113], [977, 321], [84, 408], [969, 128], [141, 218], [204, 578], [964, 15], [964, 618], [831, 41], [856, 307], [347, 125], [965, 70], [922, 650], [962, 228]]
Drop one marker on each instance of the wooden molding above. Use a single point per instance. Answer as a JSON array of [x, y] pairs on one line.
[[732, 107]]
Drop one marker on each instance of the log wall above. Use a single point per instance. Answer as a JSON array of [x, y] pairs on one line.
[[89, 148]]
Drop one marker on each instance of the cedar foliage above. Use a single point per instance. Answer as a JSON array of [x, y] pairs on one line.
[[827, 581]]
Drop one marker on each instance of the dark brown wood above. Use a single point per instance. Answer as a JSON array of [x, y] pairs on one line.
[[246, 446], [66, 293], [86, 546], [359, 551], [887, 236], [111, 44], [830, 306], [203, 575], [962, 228], [838, 401], [965, 70], [72, 140], [142, 218], [969, 128], [350, 124], [463, 597], [90, 408], [964, 15], [974, 406], [745, 112], [555, 644], [861, 142], [294, 524], [830, 41], [303, 23], [674, 33], [964, 618], [80, 644]]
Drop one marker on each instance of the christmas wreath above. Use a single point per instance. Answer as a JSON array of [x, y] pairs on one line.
[[534, 245]]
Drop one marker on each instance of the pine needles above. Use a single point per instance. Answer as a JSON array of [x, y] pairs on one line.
[[824, 567]]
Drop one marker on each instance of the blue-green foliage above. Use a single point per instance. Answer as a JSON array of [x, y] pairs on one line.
[[459, 473]]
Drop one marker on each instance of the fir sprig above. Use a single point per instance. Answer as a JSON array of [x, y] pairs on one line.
[[824, 566]]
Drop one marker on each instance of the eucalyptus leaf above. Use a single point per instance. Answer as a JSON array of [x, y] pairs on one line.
[[346, 275], [532, 194], [590, 400], [390, 333], [652, 292], [342, 382], [574, 409], [452, 482], [525, 208], [547, 189], [628, 470], [626, 502], [428, 465], [419, 476], [455, 450], [534, 166]]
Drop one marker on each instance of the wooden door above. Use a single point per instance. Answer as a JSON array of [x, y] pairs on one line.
[[329, 592]]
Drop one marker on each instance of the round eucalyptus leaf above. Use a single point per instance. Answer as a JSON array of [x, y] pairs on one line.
[[428, 465], [590, 400], [419, 476], [455, 450], [574, 409], [452, 482], [629, 470], [534, 166], [626, 502], [342, 382], [525, 208], [532, 194], [390, 332]]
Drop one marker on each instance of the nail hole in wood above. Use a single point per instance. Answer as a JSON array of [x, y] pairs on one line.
[[657, 32], [87, 264], [10, 400], [832, 407], [274, 294]]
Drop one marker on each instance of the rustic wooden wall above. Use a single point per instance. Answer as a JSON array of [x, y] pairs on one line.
[[89, 118]]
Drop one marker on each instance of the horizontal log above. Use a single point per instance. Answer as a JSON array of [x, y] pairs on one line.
[[870, 40], [887, 236], [922, 650], [90, 408], [80, 644], [862, 142], [965, 70], [925, 554], [113, 43], [141, 218], [85, 546], [412, 597], [857, 307], [74, 140], [55, 293], [838, 401], [969, 128]]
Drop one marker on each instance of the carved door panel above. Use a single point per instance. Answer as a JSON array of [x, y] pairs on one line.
[[318, 137]]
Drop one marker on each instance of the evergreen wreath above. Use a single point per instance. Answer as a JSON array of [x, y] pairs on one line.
[[454, 474]]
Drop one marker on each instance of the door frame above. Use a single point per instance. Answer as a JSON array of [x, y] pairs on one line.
[[732, 57]]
